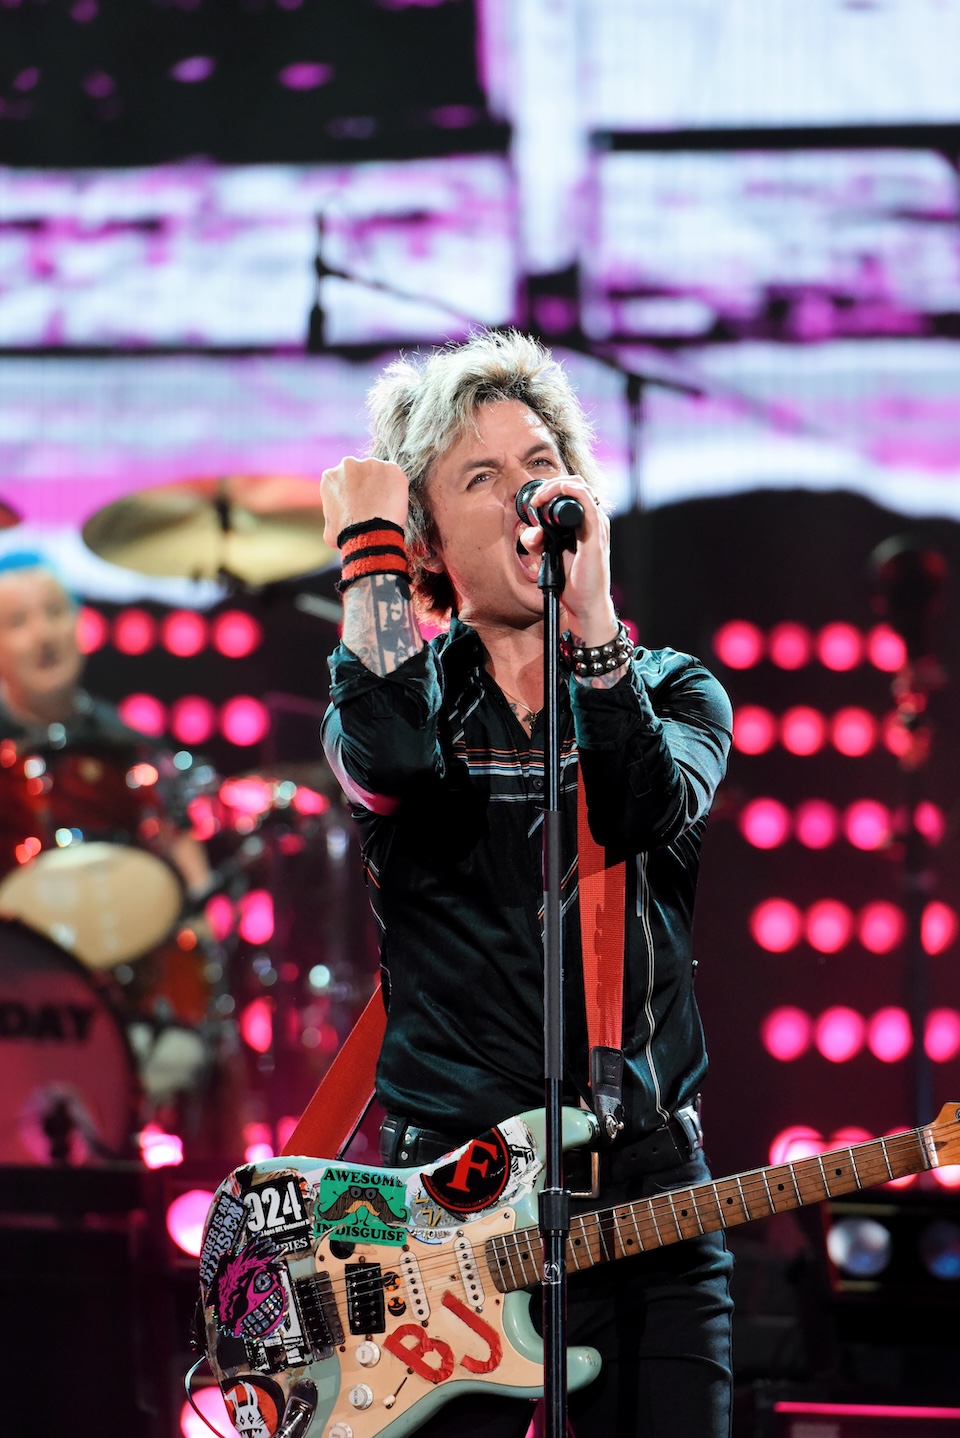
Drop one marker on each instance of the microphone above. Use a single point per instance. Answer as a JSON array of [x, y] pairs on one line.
[[564, 513]]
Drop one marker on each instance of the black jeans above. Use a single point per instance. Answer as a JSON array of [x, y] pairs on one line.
[[661, 1322]]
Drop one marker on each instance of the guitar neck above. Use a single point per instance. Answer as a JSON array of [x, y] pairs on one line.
[[650, 1223]]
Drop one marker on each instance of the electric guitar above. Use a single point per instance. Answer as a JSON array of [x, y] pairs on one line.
[[350, 1302]]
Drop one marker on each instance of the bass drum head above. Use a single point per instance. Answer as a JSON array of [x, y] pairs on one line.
[[68, 1091]]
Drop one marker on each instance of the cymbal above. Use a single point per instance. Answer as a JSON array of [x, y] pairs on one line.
[[255, 528]]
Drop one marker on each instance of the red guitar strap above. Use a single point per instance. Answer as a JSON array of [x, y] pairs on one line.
[[343, 1095], [602, 896]]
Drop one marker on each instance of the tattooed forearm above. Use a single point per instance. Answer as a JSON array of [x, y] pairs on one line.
[[379, 623]]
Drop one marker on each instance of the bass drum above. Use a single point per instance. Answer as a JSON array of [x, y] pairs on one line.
[[68, 1091]]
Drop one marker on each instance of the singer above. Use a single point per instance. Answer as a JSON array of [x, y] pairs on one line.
[[439, 747]]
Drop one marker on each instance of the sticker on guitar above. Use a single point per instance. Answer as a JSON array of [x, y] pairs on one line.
[[499, 1167]]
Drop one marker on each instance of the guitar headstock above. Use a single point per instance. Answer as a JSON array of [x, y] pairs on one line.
[[945, 1133]]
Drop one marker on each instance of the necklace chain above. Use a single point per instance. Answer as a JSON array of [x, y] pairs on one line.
[[532, 714]]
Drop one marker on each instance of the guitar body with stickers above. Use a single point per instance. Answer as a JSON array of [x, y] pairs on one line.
[[348, 1302]]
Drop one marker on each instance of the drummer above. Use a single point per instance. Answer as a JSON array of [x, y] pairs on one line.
[[40, 690]]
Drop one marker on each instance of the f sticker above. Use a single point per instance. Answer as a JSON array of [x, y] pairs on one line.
[[474, 1180]]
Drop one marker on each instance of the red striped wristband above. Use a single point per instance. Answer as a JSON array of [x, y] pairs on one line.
[[374, 546]]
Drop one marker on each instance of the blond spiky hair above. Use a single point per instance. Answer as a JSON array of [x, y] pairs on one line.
[[422, 404]]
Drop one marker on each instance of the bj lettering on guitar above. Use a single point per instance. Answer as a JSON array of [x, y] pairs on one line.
[[342, 1302]]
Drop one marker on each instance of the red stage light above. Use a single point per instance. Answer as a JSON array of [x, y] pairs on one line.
[[308, 801], [754, 729], [803, 731], [134, 631], [93, 630], [244, 720], [885, 649], [786, 1033], [250, 796], [828, 926], [193, 719], [789, 646], [765, 823], [930, 821], [203, 821], [256, 1025], [796, 1142], [256, 917], [942, 1036], [853, 732], [948, 1176], [896, 737], [847, 1137], [881, 926], [889, 1036], [738, 644], [867, 824], [908, 1178], [816, 824], [839, 1033], [144, 712], [258, 1142], [776, 925], [235, 633], [938, 927], [184, 632], [185, 1219], [839, 646]]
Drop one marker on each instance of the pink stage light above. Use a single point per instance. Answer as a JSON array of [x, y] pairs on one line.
[[220, 916], [144, 712], [828, 926], [938, 927], [305, 76], [885, 649], [839, 646], [839, 1033], [881, 926], [738, 644], [210, 1402], [796, 1142], [848, 1136], [186, 1216], [908, 1178], [236, 633], [194, 70], [930, 822], [250, 796], [948, 1176], [754, 729], [853, 732], [258, 1142], [93, 631], [867, 824], [803, 731], [776, 925], [816, 824], [889, 1036], [134, 631], [308, 801], [193, 719], [789, 646], [285, 1127], [159, 1149], [256, 1025], [896, 737], [184, 633], [786, 1033], [256, 917], [942, 1035], [244, 720], [765, 823]]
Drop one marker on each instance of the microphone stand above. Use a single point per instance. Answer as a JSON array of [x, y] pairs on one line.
[[554, 1198]]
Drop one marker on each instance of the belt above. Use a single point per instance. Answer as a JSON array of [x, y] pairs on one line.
[[404, 1142]]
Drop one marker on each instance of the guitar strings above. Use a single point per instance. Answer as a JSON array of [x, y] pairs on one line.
[[750, 1186]]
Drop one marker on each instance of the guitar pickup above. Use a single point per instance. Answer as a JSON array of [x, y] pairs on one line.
[[365, 1302], [319, 1312]]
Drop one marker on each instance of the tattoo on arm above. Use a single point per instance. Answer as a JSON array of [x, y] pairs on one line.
[[379, 623], [600, 681]]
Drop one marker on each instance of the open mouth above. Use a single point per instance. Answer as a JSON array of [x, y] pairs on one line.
[[529, 563]]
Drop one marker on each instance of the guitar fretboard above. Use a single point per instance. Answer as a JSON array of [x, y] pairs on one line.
[[651, 1223]]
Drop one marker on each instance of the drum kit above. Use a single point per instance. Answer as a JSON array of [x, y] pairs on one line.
[[118, 997]]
